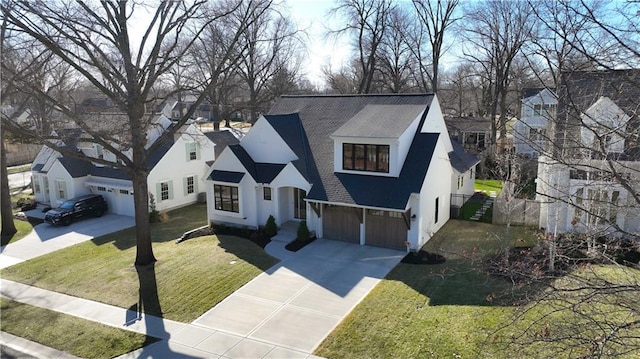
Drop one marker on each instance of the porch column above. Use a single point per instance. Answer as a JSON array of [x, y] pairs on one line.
[[362, 227], [275, 194]]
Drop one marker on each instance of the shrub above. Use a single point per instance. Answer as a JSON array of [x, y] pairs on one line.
[[303, 232], [154, 215], [270, 228]]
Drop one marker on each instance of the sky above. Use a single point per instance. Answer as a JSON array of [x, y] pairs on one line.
[[312, 17]]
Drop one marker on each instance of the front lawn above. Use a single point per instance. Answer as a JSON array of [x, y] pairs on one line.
[[23, 227], [451, 310], [188, 279], [75, 336]]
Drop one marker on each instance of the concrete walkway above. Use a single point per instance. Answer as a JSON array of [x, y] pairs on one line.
[[284, 312]]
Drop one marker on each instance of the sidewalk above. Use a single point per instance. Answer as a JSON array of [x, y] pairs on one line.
[[285, 312]]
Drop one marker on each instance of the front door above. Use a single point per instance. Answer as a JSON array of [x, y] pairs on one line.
[[299, 205]]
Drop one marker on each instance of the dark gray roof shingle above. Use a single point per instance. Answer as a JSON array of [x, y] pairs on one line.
[[221, 139], [321, 116]]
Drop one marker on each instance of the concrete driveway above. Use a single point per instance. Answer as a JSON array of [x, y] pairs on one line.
[[46, 238], [296, 304]]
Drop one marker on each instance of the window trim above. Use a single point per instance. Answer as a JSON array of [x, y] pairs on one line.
[[368, 158], [233, 205], [266, 193], [190, 187]]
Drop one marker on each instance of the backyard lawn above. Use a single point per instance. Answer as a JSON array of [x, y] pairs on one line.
[[188, 278], [449, 310], [487, 186]]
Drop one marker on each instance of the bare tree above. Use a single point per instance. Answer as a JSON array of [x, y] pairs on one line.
[[496, 33], [367, 22], [98, 43], [394, 57], [436, 19], [271, 46]]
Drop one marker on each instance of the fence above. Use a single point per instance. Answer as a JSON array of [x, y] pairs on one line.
[[518, 211], [19, 154]]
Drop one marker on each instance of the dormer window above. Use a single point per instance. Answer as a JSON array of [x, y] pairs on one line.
[[365, 157]]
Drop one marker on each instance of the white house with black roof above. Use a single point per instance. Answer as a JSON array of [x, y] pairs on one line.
[[175, 178], [368, 169]]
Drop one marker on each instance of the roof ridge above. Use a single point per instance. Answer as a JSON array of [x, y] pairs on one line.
[[358, 95]]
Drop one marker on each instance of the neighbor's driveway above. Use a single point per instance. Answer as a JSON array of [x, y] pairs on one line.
[[46, 238], [297, 303]]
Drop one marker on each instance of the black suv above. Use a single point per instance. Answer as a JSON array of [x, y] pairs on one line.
[[90, 204]]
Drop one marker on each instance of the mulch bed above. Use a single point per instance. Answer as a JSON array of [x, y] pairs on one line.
[[296, 245], [423, 257]]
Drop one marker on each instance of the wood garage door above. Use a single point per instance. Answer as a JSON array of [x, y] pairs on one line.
[[341, 223], [385, 229]]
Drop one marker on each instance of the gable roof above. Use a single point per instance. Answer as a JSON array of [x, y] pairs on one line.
[[581, 89], [221, 139], [380, 121], [290, 128], [533, 91], [468, 124], [320, 117], [460, 159], [260, 172]]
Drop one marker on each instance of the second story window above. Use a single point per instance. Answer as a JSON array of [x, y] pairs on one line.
[[361, 157]]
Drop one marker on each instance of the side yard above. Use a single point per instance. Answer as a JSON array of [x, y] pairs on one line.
[[450, 310]]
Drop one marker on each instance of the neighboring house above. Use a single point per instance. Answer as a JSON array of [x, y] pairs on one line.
[[596, 134], [473, 133], [175, 178], [531, 131], [367, 169]]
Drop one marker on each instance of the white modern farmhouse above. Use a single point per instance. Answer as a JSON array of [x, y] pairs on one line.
[[175, 179], [367, 169], [589, 180]]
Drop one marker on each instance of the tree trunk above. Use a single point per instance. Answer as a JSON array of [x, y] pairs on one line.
[[144, 250], [8, 227]]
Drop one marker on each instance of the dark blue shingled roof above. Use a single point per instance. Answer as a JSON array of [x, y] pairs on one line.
[[226, 176], [460, 159], [320, 116], [260, 172], [75, 166], [393, 192]]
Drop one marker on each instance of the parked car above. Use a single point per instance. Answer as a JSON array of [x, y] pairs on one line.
[[91, 204]]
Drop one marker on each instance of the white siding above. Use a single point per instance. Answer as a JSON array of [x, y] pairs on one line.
[[265, 145]]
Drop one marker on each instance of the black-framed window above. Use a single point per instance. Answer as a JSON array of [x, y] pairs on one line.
[[226, 198], [364, 157], [266, 193]]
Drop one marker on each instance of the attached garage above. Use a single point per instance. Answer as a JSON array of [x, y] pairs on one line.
[[341, 223], [119, 196], [386, 229]]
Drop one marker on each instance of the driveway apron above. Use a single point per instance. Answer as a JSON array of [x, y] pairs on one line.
[[298, 302]]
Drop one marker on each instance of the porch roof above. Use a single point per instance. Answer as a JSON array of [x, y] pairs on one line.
[[226, 176]]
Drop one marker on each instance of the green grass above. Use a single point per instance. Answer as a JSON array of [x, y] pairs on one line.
[[488, 185], [23, 228], [18, 169], [450, 310], [73, 335], [188, 279]]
